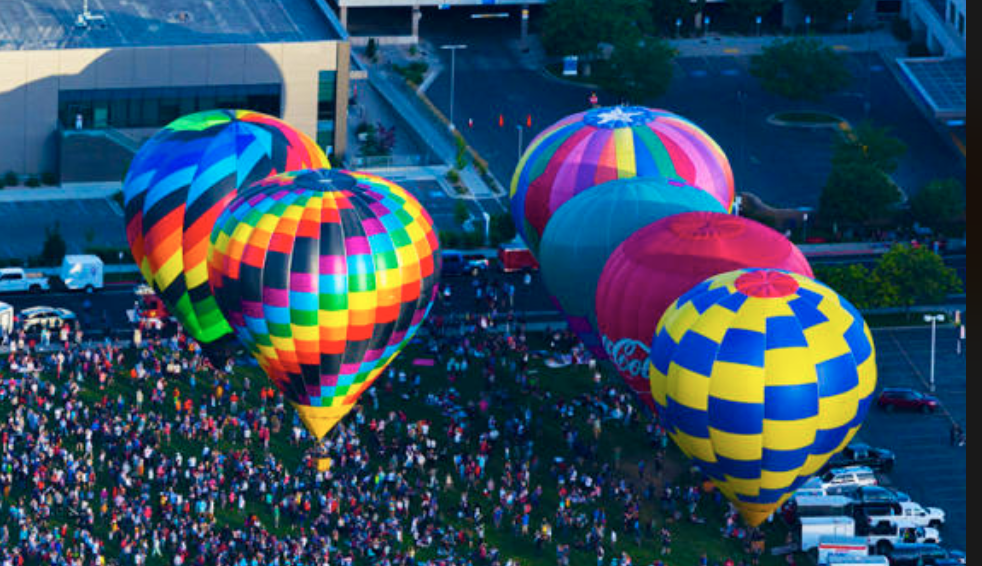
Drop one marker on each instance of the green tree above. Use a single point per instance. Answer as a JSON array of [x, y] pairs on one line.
[[578, 27], [54, 246], [939, 204], [854, 282], [639, 69], [752, 8], [915, 276], [800, 69], [502, 228], [857, 194], [870, 144]]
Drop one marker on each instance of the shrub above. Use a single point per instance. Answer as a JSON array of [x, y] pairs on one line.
[[32, 182], [49, 179], [10, 179]]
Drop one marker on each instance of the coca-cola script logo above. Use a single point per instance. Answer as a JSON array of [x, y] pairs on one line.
[[630, 356]]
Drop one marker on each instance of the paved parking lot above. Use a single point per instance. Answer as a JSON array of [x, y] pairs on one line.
[[82, 222], [928, 468]]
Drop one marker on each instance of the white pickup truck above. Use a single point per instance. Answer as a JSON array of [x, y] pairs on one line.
[[16, 280], [905, 514]]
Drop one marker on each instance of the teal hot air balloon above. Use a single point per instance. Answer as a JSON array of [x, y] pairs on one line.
[[586, 229]]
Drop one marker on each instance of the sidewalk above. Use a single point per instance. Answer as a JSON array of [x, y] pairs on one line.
[[430, 126], [73, 191]]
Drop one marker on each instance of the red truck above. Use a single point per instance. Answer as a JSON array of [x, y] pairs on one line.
[[516, 257]]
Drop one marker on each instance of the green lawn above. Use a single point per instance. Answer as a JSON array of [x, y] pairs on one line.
[[690, 540]]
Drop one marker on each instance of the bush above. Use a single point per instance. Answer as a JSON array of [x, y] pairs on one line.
[[453, 176], [49, 179], [371, 50], [10, 179], [32, 182]]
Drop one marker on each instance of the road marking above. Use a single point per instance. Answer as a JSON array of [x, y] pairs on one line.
[[731, 50]]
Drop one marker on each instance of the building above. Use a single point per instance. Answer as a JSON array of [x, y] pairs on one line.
[[81, 90]]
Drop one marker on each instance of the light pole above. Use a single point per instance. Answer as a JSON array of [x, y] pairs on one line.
[[758, 20], [678, 27], [453, 69], [808, 21], [804, 228], [848, 23], [934, 319]]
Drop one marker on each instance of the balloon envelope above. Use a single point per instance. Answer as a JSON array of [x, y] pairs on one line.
[[604, 144], [661, 261], [180, 181], [585, 231], [760, 376], [325, 276]]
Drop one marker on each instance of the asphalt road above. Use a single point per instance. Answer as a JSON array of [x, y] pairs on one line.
[[784, 166]]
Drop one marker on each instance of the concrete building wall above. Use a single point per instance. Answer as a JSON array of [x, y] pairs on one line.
[[31, 80]]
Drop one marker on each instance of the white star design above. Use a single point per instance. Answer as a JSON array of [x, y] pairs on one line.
[[616, 115]]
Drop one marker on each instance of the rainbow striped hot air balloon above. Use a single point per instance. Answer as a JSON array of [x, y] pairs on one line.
[[180, 181], [604, 144], [325, 276], [760, 376]]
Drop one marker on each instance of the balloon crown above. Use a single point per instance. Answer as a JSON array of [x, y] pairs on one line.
[[324, 180], [619, 117]]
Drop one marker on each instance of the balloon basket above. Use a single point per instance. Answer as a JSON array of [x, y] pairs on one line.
[[323, 464]]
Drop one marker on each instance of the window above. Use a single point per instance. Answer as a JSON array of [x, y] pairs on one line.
[[157, 107]]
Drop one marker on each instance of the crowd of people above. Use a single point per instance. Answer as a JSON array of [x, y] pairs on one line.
[[147, 453]]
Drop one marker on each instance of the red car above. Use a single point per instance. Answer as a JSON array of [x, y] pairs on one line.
[[907, 399]]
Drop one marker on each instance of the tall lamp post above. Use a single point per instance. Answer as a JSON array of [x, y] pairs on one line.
[[453, 71], [934, 319]]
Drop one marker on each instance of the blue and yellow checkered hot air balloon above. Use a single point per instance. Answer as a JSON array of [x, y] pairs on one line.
[[760, 376]]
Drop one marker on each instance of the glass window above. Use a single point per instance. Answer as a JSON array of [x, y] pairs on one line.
[[325, 95]]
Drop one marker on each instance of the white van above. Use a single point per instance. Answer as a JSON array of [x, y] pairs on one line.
[[855, 560], [815, 529], [829, 547], [82, 272], [6, 319]]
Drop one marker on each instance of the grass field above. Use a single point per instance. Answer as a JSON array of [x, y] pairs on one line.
[[689, 541]]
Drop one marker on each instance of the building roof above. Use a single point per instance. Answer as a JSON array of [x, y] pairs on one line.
[[52, 24], [941, 83]]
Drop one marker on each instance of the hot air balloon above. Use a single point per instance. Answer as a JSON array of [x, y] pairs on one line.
[[180, 181], [663, 260], [324, 275], [584, 232], [604, 144], [760, 376]]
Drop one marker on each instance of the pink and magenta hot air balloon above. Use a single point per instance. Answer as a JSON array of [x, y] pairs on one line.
[[605, 144], [663, 260]]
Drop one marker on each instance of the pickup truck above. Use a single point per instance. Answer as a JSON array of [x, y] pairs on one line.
[[859, 454], [16, 280], [883, 538], [903, 514]]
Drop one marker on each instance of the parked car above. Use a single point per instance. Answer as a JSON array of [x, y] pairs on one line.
[[862, 454], [877, 494], [16, 280], [458, 263], [925, 554], [839, 481], [885, 536], [515, 257], [903, 514], [36, 318], [904, 398]]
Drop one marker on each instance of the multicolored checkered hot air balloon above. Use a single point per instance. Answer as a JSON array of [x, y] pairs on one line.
[[180, 181], [604, 144], [588, 228], [324, 275], [760, 376], [661, 261]]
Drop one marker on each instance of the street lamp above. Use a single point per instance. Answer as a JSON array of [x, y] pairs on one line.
[[808, 21], [705, 23], [848, 23], [678, 27], [758, 20], [934, 319], [453, 64], [804, 227]]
